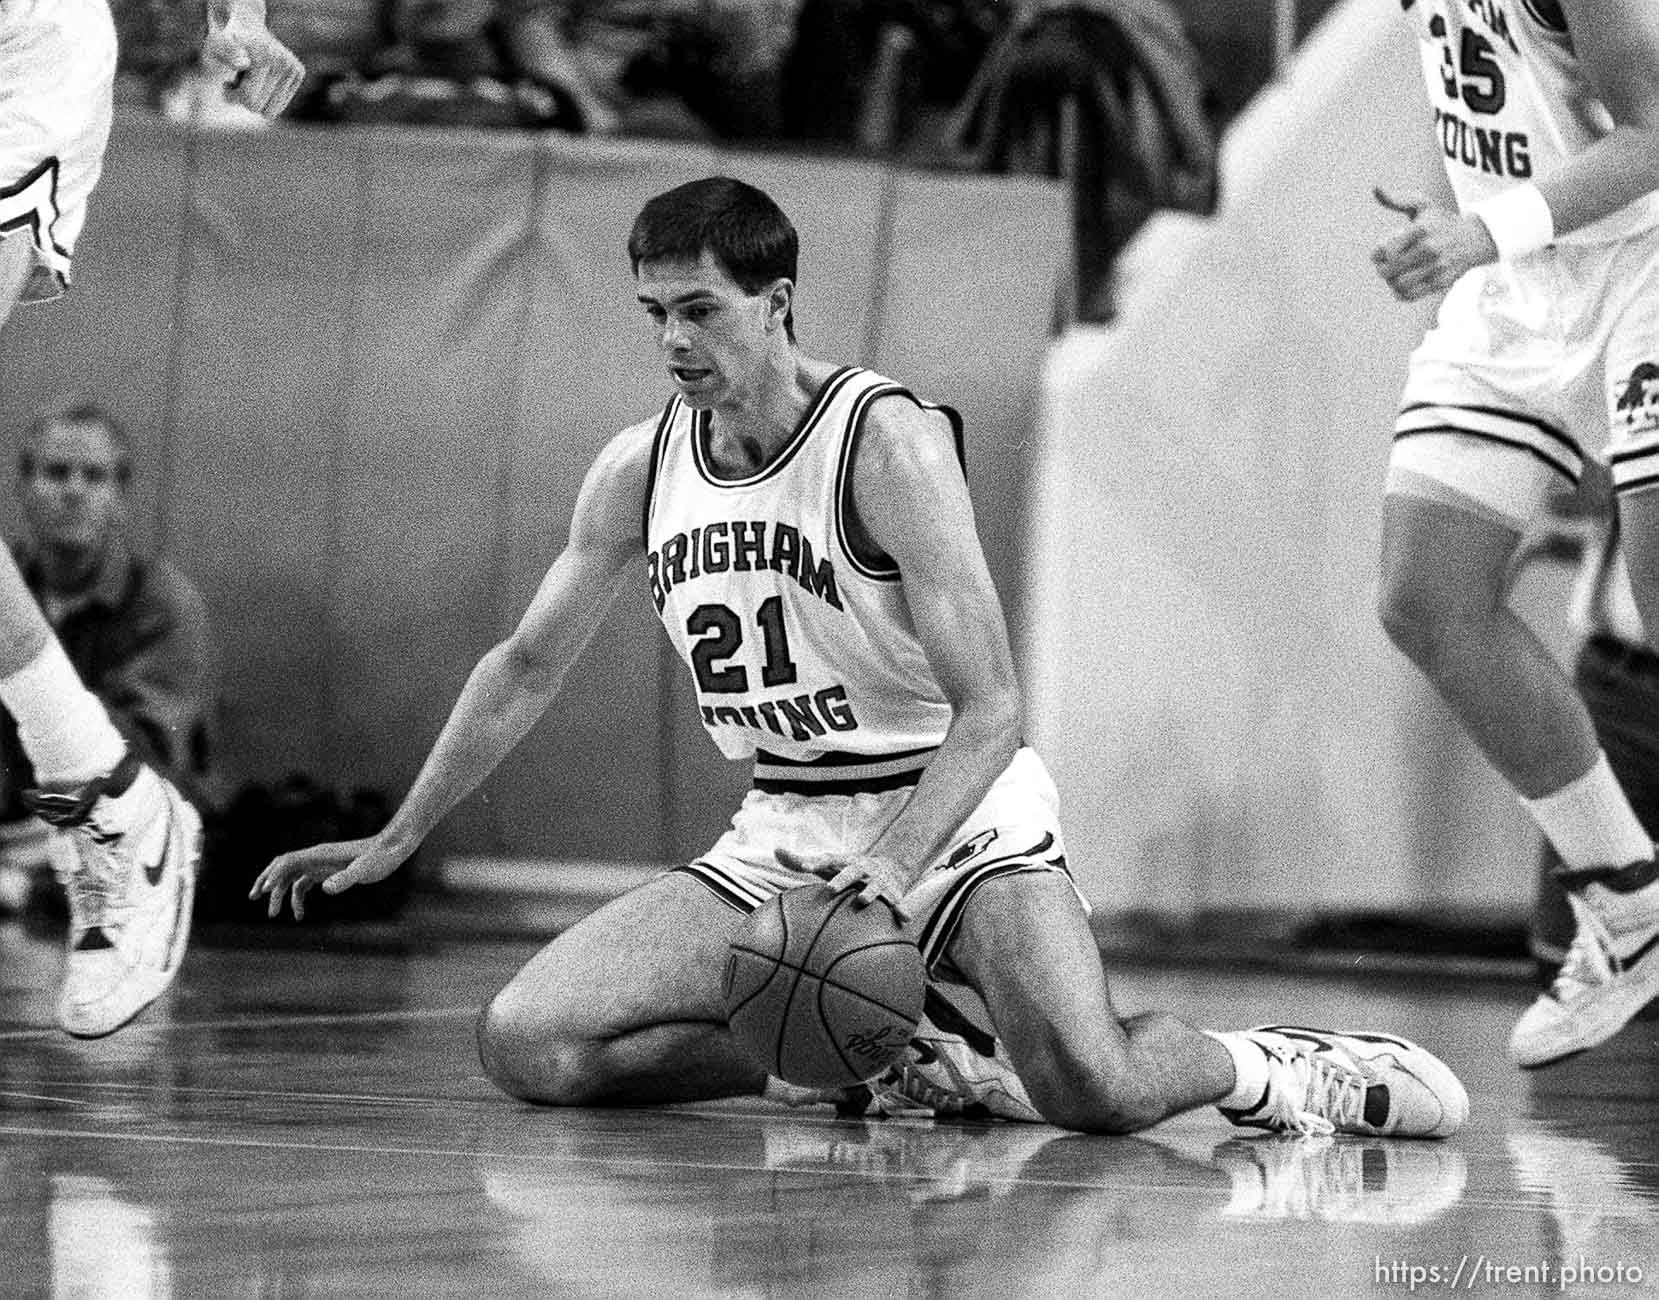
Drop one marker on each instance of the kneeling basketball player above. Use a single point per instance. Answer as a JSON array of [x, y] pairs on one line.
[[811, 549]]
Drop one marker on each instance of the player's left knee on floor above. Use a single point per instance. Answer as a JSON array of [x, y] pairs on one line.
[[527, 1061]]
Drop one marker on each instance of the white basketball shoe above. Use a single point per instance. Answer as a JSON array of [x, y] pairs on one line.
[[1376, 1085], [949, 1075], [137, 846], [1610, 973]]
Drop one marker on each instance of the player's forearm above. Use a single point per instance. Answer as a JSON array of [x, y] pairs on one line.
[[977, 748], [1615, 171], [503, 699]]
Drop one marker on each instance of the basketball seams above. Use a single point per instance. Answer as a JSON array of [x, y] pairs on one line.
[[826, 981], [842, 901], [778, 1039], [776, 964], [826, 977], [812, 1009], [866, 999], [854, 1067], [773, 968], [781, 1037]]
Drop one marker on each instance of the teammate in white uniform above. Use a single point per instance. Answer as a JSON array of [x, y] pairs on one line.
[[809, 541], [1545, 352], [137, 841]]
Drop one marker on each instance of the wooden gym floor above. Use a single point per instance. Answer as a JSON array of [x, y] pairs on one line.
[[312, 1122]]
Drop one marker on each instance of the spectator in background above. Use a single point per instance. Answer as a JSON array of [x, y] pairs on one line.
[[683, 69], [334, 37], [159, 61], [459, 63], [135, 629], [1113, 96], [678, 69], [157, 40], [829, 74]]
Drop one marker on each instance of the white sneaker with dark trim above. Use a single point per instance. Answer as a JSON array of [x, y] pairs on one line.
[[1610, 973], [945, 1074], [137, 846], [1377, 1085]]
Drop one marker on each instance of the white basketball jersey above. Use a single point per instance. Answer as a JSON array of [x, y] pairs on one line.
[[800, 650], [1511, 101]]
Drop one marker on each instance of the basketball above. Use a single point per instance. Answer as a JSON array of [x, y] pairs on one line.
[[822, 993]]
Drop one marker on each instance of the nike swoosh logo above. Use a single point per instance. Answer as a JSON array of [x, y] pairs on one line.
[[153, 871]]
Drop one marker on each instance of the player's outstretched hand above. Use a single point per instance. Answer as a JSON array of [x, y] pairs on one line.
[[259, 71], [873, 877], [336, 866], [1434, 249]]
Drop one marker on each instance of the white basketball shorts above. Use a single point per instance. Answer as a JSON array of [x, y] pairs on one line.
[[57, 74], [1532, 366], [1014, 831]]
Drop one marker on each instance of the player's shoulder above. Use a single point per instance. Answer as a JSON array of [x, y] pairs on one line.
[[628, 452], [614, 492], [900, 427]]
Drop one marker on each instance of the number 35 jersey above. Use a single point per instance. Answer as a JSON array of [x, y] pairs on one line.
[[802, 651], [1511, 100]]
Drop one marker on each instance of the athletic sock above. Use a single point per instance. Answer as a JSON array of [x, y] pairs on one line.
[[64, 727], [1590, 821], [1628, 901], [1249, 1070]]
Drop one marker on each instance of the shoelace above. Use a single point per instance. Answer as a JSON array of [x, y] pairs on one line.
[[1308, 1094], [99, 887], [905, 1086], [1587, 964], [902, 1087]]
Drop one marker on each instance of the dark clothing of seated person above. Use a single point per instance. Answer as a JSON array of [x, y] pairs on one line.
[[135, 628], [453, 63]]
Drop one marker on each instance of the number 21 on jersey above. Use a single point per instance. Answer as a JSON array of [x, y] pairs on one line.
[[718, 633]]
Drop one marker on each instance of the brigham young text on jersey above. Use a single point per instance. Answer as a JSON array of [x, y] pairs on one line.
[[1510, 98], [800, 643]]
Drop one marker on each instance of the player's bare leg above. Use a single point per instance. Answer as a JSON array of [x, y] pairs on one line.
[[1639, 540], [1444, 603], [136, 840], [624, 1008], [1611, 970], [1026, 946], [16, 262]]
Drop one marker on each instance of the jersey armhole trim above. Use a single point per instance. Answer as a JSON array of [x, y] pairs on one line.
[[659, 450], [884, 569], [1548, 14]]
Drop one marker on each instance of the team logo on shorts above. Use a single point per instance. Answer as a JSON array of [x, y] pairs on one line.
[[972, 848], [1636, 399]]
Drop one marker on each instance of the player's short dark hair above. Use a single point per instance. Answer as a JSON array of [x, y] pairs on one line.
[[77, 409], [735, 223]]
